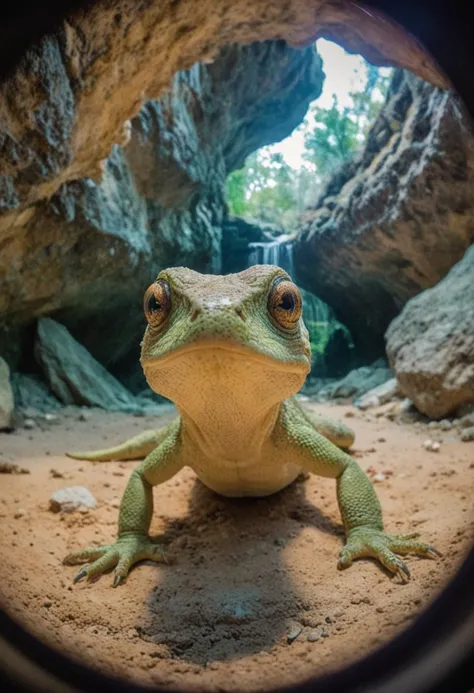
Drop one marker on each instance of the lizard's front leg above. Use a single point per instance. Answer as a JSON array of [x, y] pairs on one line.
[[136, 509], [359, 506]]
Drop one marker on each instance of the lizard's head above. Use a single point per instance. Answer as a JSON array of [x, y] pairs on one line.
[[225, 336]]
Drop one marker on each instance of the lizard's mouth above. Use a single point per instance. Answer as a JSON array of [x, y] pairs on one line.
[[213, 347]]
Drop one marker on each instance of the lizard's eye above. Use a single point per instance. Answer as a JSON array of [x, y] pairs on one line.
[[157, 302], [284, 303]]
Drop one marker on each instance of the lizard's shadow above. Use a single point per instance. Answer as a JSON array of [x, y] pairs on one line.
[[229, 593]]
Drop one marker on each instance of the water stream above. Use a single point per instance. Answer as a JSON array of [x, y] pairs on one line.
[[317, 315]]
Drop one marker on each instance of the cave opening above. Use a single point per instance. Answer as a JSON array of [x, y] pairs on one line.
[[119, 174]]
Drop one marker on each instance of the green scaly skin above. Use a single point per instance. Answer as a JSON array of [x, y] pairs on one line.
[[231, 365]]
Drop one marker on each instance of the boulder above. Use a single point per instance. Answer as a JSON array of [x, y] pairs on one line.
[[6, 397], [73, 374], [430, 345]]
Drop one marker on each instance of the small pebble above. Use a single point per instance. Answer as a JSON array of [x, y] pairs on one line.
[[29, 424], [431, 445], [313, 636], [70, 499], [294, 631], [467, 434], [50, 417]]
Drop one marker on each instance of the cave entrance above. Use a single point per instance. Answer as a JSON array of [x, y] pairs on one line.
[[106, 186]]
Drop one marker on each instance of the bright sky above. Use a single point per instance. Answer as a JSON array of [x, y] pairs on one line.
[[344, 73]]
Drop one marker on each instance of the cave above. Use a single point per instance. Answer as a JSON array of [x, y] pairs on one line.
[[120, 131]]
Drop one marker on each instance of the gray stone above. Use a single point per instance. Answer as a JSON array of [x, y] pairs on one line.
[[67, 500], [430, 345], [6, 397], [73, 374], [360, 380], [381, 394], [31, 393], [467, 435]]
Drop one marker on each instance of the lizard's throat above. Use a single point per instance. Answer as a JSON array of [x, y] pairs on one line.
[[223, 393]]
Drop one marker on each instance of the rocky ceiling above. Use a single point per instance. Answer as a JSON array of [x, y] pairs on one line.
[[115, 56]]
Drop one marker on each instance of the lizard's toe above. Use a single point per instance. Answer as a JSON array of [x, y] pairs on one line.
[[126, 551], [86, 555], [367, 542]]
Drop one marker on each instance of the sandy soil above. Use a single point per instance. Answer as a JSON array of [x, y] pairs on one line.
[[247, 573]]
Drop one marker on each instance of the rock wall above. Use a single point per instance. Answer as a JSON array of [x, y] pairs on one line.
[[86, 254], [395, 220]]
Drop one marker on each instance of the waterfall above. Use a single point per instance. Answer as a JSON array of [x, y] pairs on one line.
[[276, 252], [317, 315]]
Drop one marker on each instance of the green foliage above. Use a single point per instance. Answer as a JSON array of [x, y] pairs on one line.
[[320, 334], [337, 133], [263, 188], [268, 188]]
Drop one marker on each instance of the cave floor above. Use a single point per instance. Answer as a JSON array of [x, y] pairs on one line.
[[253, 599]]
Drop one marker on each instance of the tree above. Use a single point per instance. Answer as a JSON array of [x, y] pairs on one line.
[[263, 188], [338, 133]]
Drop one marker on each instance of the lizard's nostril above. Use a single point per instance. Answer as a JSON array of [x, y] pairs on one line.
[[241, 314], [195, 313]]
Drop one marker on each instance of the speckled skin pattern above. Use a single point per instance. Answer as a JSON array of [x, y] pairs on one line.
[[232, 372]]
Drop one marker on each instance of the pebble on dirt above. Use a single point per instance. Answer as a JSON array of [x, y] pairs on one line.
[[431, 445], [73, 498]]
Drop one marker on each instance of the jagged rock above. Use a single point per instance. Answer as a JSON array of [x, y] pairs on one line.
[[73, 374], [6, 397], [360, 380], [380, 395], [394, 221], [67, 500], [32, 393], [87, 254], [430, 345]]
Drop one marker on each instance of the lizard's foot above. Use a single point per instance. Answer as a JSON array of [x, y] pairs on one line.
[[126, 551], [363, 542]]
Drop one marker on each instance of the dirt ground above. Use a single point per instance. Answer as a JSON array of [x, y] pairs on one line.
[[249, 575]]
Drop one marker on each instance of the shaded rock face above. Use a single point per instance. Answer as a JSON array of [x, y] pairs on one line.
[[394, 221], [87, 254], [430, 345]]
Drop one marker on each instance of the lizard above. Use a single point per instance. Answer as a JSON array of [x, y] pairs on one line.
[[231, 352]]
